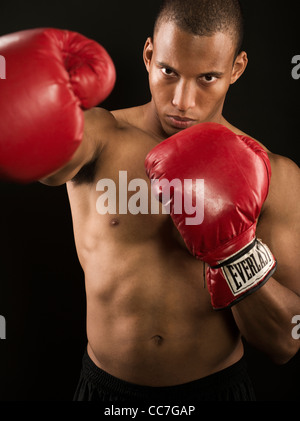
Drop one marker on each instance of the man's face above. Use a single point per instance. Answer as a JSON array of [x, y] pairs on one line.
[[189, 76]]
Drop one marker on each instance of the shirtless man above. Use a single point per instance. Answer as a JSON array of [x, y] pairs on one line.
[[152, 331]]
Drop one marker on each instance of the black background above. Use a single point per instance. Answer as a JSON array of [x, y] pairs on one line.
[[42, 294]]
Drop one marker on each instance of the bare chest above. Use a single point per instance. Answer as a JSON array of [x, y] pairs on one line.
[[117, 201]]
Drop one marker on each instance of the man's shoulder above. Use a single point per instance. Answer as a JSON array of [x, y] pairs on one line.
[[126, 115], [99, 118], [106, 126], [285, 173], [136, 128], [132, 118], [131, 115], [284, 192]]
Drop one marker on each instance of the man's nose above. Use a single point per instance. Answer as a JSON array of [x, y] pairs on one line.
[[184, 96]]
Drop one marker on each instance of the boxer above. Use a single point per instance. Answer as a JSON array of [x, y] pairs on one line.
[[155, 331]]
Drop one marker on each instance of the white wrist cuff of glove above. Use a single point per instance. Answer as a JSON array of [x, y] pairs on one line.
[[248, 268]]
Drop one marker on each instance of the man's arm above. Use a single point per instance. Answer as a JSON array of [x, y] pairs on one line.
[[98, 125], [42, 125], [240, 266], [265, 317]]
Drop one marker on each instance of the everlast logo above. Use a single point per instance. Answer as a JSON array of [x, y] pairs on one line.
[[249, 269]]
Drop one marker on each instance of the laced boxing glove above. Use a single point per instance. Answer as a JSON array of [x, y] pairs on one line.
[[235, 171], [52, 75]]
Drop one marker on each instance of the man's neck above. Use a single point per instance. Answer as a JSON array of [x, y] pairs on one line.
[[151, 122]]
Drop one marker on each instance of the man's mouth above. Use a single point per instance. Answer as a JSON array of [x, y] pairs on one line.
[[180, 122]]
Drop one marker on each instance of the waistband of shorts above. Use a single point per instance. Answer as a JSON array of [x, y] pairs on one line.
[[225, 378]]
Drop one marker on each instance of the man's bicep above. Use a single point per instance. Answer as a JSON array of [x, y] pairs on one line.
[[279, 225], [97, 122]]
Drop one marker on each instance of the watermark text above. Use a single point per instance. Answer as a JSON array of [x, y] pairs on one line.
[[2, 327], [296, 69], [186, 196], [296, 329]]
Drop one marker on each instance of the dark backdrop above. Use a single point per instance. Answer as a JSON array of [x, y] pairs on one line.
[[42, 294]]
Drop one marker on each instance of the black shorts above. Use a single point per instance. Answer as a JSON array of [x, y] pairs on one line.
[[231, 384]]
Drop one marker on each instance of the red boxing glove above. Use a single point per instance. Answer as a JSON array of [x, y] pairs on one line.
[[235, 173], [51, 76]]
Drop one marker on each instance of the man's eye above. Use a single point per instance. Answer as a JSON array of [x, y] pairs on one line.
[[167, 72], [209, 78]]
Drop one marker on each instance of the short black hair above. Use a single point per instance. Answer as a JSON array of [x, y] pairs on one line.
[[205, 17]]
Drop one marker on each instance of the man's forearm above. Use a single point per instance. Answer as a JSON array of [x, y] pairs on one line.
[[265, 320]]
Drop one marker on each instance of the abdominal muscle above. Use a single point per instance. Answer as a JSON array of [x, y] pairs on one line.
[[149, 317]]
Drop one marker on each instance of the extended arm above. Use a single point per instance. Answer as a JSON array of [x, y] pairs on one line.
[[54, 75], [98, 123]]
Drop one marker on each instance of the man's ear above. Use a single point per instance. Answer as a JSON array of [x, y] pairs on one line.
[[239, 66], [148, 52]]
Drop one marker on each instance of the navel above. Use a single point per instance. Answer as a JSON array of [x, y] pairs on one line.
[[114, 222], [157, 339]]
